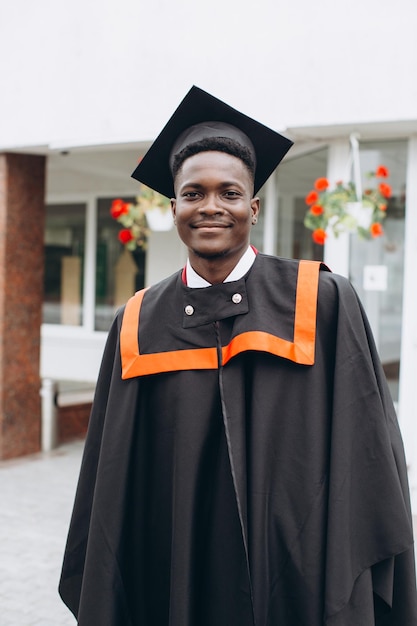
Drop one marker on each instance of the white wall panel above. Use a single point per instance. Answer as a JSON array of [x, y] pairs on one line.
[[90, 71], [67, 355], [407, 393]]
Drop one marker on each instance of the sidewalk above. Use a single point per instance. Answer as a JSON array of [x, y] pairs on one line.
[[36, 496]]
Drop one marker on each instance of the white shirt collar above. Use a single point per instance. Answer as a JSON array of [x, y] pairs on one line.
[[195, 281]]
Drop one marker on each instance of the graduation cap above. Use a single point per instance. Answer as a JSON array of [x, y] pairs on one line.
[[201, 115]]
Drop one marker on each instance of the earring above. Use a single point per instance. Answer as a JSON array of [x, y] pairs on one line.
[[254, 220]]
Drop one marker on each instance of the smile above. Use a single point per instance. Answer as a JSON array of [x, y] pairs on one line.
[[210, 225]]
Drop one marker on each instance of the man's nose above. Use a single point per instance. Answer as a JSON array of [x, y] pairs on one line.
[[211, 205]]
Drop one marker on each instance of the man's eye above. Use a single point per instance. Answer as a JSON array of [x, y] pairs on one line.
[[190, 194], [231, 194]]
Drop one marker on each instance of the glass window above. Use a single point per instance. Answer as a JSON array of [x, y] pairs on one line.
[[382, 260], [295, 179], [119, 273], [64, 260]]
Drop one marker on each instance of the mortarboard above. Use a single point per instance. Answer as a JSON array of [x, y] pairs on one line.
[[201, 111]]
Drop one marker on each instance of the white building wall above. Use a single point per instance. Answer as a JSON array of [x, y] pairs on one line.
[[71, 353], [94, 71], [407, 395]]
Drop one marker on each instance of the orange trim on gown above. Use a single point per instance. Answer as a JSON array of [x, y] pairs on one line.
[[301, 350]]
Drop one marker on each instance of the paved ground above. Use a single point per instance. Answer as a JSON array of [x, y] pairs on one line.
[[36, 496]]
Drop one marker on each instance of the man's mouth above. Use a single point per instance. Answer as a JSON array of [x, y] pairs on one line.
[[210, 225]]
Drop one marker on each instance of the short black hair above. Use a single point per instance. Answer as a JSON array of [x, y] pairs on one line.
[[215, 144]]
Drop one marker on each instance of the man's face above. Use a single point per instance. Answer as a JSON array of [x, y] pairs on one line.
[[214, 207]]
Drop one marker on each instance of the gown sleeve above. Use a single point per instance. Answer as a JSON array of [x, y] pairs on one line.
[[369, 536]]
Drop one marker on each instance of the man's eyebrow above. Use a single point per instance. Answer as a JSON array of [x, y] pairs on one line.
[[191, 184], [225, 183]]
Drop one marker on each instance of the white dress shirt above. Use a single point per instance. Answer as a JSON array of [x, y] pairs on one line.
[[195, 281]]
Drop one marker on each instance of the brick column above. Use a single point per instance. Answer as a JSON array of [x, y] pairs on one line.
[[22, 215]]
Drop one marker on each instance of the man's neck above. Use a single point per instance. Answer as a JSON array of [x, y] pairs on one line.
[[212, 270], [228, 272]]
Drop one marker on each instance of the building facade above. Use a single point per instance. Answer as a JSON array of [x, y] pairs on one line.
[[91, 84]]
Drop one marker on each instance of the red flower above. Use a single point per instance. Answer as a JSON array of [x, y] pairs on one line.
[[382, 207], [319, 236], [376, 229], [321, 184], [118, 208], [312, 197], [385, 190], [382, 172], [316, 209], [125, 236]]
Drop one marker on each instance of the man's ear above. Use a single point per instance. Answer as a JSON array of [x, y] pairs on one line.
[[173, 208], [255, 204]]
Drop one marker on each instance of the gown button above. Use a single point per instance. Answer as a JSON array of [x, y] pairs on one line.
[[189, 310], [236, 298]]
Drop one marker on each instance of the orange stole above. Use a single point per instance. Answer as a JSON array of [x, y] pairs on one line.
[[300, 350]]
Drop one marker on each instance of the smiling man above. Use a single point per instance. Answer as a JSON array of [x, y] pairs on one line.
[[243, 465], [214, 210]]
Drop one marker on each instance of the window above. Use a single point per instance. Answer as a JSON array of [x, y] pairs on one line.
[[295, 179], [64, 261], [383, 305], [119, 273]]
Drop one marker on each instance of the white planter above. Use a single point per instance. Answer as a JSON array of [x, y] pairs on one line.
[[360, 214], [159, 219]]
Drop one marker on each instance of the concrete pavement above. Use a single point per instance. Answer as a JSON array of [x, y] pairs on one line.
[[36, 497]]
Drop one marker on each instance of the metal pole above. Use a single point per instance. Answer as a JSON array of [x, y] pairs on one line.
[[48, 394]]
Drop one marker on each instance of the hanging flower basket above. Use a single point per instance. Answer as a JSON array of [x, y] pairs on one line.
[[159, 219], [341, 211], [151, 211]]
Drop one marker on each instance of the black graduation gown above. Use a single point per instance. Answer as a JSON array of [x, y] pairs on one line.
[[247, 468]]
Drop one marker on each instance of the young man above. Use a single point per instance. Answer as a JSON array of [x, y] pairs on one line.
[[243, 465]]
